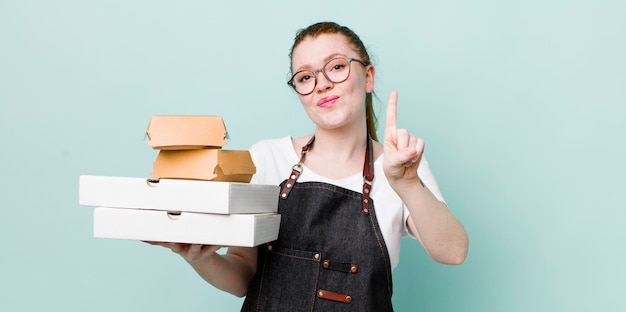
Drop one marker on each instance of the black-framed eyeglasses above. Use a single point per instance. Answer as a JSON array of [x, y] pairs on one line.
[[337, 70]]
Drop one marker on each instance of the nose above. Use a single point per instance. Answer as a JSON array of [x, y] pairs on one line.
[[322, 82]]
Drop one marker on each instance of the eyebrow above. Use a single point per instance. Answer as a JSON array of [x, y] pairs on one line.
[[325, 60]]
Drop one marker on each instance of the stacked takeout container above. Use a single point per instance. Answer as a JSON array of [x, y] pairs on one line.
[[198, 192]]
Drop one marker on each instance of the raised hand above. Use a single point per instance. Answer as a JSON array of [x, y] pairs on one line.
[[403, 151]]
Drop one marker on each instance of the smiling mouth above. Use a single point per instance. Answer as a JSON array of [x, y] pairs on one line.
[[327, 101]]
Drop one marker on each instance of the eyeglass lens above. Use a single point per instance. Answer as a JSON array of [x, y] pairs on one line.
[[336, 70]]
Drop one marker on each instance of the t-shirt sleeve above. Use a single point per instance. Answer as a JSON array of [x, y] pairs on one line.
[[258, 152], [272, 160]]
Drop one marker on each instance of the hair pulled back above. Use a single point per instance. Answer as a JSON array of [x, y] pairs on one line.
[[321, 28]]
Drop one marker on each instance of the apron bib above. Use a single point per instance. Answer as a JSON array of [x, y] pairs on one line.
[[330, 254]]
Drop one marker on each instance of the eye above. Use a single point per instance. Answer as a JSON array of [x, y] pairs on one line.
[[303, 77], [336, 65]]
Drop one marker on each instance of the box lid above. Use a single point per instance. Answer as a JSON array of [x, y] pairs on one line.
[[186, 132], [177, 195]]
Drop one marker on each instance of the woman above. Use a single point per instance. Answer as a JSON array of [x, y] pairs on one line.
[[346, 200]]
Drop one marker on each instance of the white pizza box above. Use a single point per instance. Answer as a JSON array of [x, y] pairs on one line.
[[177, 195], [245, 230]]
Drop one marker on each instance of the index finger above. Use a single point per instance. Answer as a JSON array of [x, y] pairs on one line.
[[391, 112]]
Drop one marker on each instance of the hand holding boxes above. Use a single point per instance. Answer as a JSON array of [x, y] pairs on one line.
[[200, 194]]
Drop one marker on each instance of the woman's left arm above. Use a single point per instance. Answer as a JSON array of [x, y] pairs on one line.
[[441, 234]]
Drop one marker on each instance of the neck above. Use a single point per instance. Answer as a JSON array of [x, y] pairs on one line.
[[340, 144], [337, 154]]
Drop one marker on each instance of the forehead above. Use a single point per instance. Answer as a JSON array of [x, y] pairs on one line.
[[313, 51]]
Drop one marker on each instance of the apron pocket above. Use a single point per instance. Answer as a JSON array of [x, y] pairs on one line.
[[292, 275]]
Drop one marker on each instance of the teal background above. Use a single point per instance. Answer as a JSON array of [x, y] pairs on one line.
[[521, 104]]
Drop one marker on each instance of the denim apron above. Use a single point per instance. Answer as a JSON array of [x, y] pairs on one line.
[[330, 254]]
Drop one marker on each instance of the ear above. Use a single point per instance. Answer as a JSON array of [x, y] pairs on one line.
[[369, 78]]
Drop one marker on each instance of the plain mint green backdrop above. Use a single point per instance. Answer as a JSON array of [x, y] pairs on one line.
[[521, 104]]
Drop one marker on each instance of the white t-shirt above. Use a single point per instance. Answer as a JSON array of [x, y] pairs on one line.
[[274, 159]]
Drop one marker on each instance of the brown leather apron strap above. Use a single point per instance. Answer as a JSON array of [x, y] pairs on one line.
[[368, 172], [368, 175], [296, 170]]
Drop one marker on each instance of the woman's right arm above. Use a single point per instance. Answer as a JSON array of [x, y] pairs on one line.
[[231, 272]]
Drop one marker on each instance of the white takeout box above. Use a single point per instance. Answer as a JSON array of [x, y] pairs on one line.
[[178, 195], [245, 230]]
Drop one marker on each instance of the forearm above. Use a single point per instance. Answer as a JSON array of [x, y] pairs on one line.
[[441, 234], [231, 272]]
